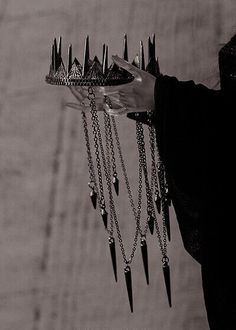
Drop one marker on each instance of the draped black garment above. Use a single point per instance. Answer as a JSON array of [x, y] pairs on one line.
[[195, 128]]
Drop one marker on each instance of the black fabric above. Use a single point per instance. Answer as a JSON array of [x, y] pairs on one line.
[[194, 128]]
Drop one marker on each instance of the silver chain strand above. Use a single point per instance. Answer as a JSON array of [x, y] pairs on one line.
[[108, 162], [92, 176], [154, 181], [93, 111], [110, 137]]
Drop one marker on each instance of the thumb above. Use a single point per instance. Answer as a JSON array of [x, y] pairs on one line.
[[127, 66]]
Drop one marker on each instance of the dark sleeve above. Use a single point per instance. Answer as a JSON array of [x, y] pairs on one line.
[[185, 119], [195, 132]]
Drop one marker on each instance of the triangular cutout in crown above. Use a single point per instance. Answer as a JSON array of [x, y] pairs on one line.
[[95, 70], [61, 72], [76, 70]]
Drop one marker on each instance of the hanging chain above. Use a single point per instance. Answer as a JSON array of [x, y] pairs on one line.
[[142, 155], [108, 178], [92, 177], [97, 137], [98, 143], [163, 192], [154, 181], [108, 131]]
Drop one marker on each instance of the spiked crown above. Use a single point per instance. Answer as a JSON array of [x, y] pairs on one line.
[[96, 73]]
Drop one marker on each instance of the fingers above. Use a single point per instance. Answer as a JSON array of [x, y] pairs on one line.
[[105, 90], [127, 66]]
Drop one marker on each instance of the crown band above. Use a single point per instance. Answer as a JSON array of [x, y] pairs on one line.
[[94, 73]]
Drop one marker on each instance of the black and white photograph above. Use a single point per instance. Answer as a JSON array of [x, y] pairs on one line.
[[117, 171]]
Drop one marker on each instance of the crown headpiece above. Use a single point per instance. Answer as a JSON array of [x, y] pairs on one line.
[[93, 72]]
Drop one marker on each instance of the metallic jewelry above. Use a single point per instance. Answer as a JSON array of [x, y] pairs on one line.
[[104, 178]]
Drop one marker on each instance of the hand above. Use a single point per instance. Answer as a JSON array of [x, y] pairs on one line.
[[137, 96]]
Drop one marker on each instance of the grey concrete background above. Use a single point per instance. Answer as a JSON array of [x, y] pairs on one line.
[[55, 271]]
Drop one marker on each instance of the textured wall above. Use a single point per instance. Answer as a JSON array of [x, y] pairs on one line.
[[55, 271]]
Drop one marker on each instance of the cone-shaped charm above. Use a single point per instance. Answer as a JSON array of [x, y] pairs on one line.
[[167, 196], [157, 200], [141, 57], [105, 60], [115, 182], [128, 280], [145, 257], [55, 64], [167, 219], [113, 255], [151, 223], [166, 272], [69, 58], [104, 216], [86, 57], [93, 196], [125, 55], [59, 48], [52, 64]]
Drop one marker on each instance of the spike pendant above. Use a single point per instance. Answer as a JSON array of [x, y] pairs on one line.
[[151, 223], [128, 280], [145, 257], [166, 273], [157, 200], [113, 255], [115, 182], [104, 216], [93, 196]]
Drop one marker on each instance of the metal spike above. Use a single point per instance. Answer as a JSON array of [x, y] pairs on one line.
[[113, 255], [115, 182], [145, 257], [151, 223], [55, 65], [93, 196], [103, 52], [125, 54], [86, 57], [149, 49], [128, 280], [167, 219], [157, 200], [166, 273], [167, 196], [69, 58], [153, 45], [141, 57], [59, 47], [104, 217], [105, 61], [52, 64]]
